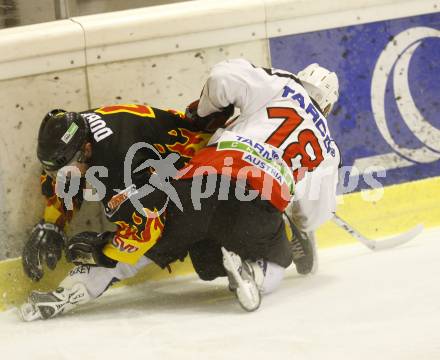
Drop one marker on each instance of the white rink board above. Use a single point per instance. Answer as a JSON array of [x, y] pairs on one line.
[[167, 81], [23, 103], [360, 305]]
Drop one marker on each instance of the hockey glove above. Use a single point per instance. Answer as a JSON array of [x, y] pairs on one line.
[[45, 244], [211, 122], [86, 248]]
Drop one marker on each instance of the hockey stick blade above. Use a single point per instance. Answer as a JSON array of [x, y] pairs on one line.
[[381, 244]]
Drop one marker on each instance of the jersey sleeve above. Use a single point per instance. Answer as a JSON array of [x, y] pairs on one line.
[[317, 199], [240, 83], [139, 225], [135, 235], [55, 211]]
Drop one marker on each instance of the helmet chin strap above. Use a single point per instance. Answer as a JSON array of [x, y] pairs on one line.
[[82, 158], [327, 110], [318, 107]]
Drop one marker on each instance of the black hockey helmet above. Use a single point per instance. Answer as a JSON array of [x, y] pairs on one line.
[[62, 134]]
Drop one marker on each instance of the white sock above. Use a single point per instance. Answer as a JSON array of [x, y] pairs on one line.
[[272, 278], [98, 279]]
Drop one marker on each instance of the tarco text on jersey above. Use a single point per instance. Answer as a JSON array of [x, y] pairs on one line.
[[317, 120]]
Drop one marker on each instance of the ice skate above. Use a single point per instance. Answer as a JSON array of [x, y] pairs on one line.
[[243, 280], [303, 247], [304, 253], [45, 305]]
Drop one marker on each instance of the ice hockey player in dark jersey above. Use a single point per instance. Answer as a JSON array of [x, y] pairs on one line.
[[99, 141], [102, 138]]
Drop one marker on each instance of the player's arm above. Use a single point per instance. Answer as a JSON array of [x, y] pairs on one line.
[[137, 212], [55, 211], [239, 83], [136, 232], [319, 200], [225, 89]]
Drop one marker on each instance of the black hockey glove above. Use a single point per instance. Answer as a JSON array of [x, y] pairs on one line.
[[86, 248], [45, 244], [211, 122]]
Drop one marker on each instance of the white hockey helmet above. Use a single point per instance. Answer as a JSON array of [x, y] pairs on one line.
[[322, 86]]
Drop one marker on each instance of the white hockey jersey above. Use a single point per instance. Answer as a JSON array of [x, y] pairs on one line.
[[277, 119]]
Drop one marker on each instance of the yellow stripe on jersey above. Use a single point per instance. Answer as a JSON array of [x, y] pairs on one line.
[[127, 250], [139, 110]]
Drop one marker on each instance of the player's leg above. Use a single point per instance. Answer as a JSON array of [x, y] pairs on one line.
[[256, 230], [255, 248], [83, 284], [183, 229], [207, 259]]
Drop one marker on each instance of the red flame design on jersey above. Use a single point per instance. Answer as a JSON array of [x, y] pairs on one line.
[[193, 141], [143, 229]]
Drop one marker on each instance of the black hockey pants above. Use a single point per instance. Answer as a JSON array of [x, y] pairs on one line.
[[252, 229]]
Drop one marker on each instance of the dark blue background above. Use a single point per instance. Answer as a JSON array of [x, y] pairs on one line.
[[352, 53]]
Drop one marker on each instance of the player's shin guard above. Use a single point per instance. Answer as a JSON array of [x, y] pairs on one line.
[[45, 305], [244, 279]]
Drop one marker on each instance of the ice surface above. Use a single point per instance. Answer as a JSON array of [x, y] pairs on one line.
[[360, 305]]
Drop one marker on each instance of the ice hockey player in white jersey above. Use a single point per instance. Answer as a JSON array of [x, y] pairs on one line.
[[279, 146], [288, 112]]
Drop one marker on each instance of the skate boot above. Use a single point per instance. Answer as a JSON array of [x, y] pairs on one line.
[[304, 253], [303, 248], [245, 278], [45, 305]]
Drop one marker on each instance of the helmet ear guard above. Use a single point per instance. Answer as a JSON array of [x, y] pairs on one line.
[[322, 86]]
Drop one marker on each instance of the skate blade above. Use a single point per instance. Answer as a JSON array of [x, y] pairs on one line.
[[29, 313], [248, 296], [247, 291]]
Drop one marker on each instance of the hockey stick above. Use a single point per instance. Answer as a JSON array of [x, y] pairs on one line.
[[381, 244]]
